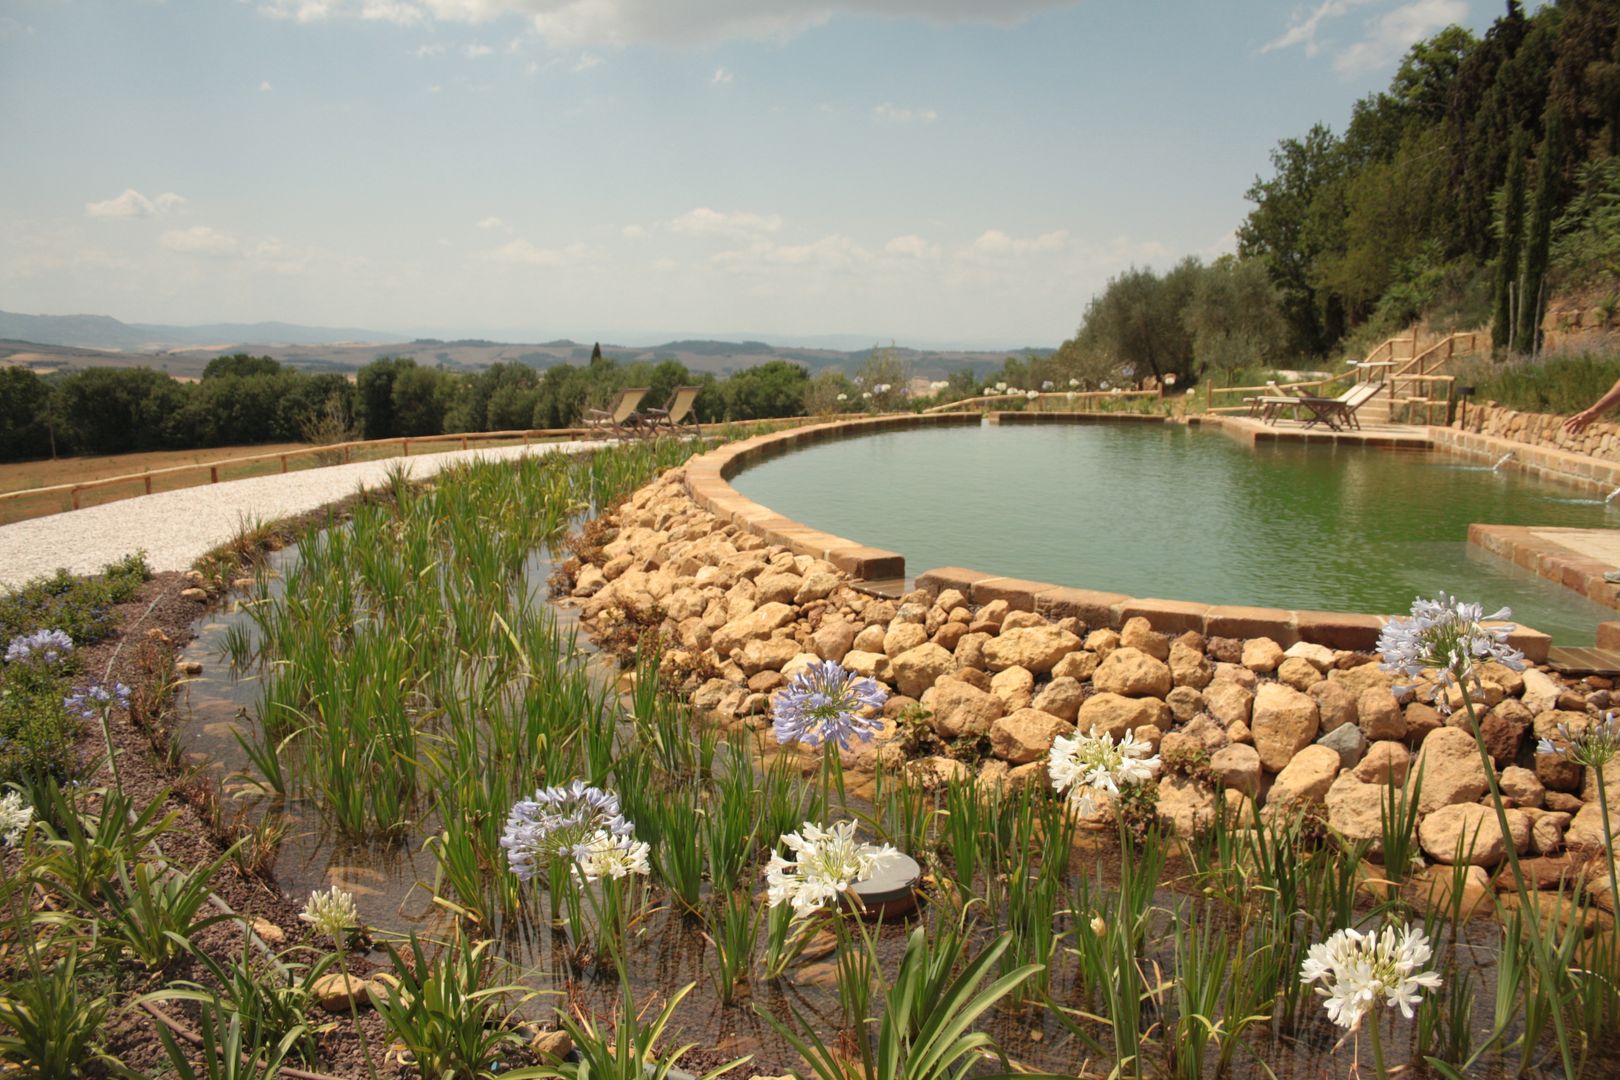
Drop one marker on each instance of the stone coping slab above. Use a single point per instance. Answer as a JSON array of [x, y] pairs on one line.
[[708, 480], [1254, 432], [1592, 475], [1575, 558]]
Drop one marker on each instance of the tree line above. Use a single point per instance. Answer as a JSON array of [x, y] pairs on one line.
[[1482, 181]]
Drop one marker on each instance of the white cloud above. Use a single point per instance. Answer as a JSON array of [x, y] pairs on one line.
[[586, 61], [475, 52], [133, 204], [200, 240], [896, 114], [423, 51], [665, 266], [435, 88], [996, 242], [633, 232], [1303, 30], [265, 87], [912, 246], [580, 23], [721, 77], [703, 221], [491, 222], [523, 253], [1389, 35]]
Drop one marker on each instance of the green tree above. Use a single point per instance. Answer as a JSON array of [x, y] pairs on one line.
[[25, 401], [1511, 229], [239, 364], [423, 399], [1527, 333], [375, 384], [120, 410], [774, 388], [1235, 316]]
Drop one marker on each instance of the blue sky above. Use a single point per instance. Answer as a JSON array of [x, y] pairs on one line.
[[924, 171]]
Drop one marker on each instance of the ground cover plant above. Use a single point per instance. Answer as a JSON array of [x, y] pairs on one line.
[[607, 869]]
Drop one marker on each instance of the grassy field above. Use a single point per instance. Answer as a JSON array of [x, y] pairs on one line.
[[28, 475]]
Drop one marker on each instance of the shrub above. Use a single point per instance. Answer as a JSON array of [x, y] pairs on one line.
[[1560, 384], [80, 606]]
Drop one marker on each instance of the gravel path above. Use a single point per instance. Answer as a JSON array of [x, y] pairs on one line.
[[175, 527]]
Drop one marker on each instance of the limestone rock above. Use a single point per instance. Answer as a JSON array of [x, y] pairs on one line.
[[1061, 697], [1228, 702], [1284, 722], [901, 637], [1319, 655], [1079, 666], [338, 993], [769, 654], [970, 650], [1189, 666], [870, 664], [1358, 680], [1334, 703], [1035, 648], [1356, 809], [833, 638], [1138, 633], [1132, 673], [961, 709], [1586, 830], [1476, 829], [1420, 720], [1185, 703], [1186, 805], [777, 587], [1547, 832], [1015, 687], [1237, 768], [1451, 770], [1102, 641], [916, 669], [758, 623], [1540, 691], [1304, 780], [1025, 735], [1521, 786], [817, 585], [1261, 655], [1116, 715], [1379, 715], [1384, 763]]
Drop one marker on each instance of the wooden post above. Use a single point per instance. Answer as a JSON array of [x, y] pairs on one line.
[[283, 462], [75, 498], [213, 474], [464, 442], [346, 451], [405, 445], [148, 479]]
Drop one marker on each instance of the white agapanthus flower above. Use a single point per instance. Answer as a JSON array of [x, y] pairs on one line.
[[331, 913], [1358, 971], [826, 863], [1450, 637], [607, 855], [1093, 768], [1592, 743], [15, 818]]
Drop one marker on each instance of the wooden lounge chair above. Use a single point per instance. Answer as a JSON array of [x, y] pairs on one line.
[[620, 418], [677, 416], [1334, 413]]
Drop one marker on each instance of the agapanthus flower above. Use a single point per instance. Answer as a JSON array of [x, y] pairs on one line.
[[1358, 971], [607, 855], [1450, 637], [826, 863], [1093, 768], [15, 818], [89, 702], [331, 913], [825, 703], [47, 646], [1592, 744], [560, 821]]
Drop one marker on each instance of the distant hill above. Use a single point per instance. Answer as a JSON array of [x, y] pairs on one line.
[[49, 342]]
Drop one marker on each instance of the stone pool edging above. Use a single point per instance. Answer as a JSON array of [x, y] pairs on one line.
[[1591, 474], [708, 476]]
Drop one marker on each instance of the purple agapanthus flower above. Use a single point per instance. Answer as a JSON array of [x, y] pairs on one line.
[[1593, 743], [824, 703], [47, 646], [1450, 637], [560, 821], [89, 702]]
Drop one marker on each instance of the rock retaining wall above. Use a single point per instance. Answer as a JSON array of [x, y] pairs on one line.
[[1601, 440], [980, 688]]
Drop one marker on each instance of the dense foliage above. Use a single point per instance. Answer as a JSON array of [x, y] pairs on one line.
[[1558, 384]]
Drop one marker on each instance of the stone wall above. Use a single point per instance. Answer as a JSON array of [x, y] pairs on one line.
[[1601, 440]]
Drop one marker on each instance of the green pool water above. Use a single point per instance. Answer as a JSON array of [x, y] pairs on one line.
[[1170, 511]]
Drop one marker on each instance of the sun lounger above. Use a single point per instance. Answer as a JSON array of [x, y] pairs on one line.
[[620, 418], [1336, 414], [677, 416]]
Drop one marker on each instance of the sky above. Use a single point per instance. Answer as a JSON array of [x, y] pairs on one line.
[[949, 173]]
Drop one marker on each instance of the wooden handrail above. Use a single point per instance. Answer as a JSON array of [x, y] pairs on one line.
[[1069, 395]]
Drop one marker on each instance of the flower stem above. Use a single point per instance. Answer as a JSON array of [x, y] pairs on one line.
[[1608, 845], [354, 1010], [1378, 1048], [112, 754]]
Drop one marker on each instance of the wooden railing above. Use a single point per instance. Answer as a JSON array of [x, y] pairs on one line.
[[1412, 382], [1316, 386], [336, 453], [1042, 399]]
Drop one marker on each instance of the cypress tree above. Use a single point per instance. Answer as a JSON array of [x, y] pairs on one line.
[[1507, 264], [1527, 334]]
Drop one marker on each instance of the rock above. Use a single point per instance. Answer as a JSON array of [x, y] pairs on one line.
[[1189, 667], [1379, 715], [1078, 666], [1061, 697], [770, 654], [1348, 742], [338, 993], [1304, 780], [1261, 655], [1132, 673], [776, 588], [1228, 702], [1034, 648], [1225, 650], [1384, 763], [1150, 734], [817, 585], [1540, 691], [870, 639], [950, 635], [1014, 686], [1611, 780], [833, 638], [916, 669], [1298, 673], [1475, 829], [961, 709], [1102, 641], [1237, 768], [188, 667], [1563, 802], [1234, 673], [994, 613], [1355, 809], [1284, 723], [1586, 831], [1503, 729], [1319, 655], [1025, 735], [1138, 633], [869, 664], [551, 1047], [979, 680], [1186, 805], [1116, 715], [1239, 732], [1420, 720], [1185, 703], [1547, 832], [949, 600], [1451, 772], [1210, 735], [1363, 677], [267, 931], [758, 623], [903, 636], [1334, 703], [762, 682], [589, 581], [199, 595], [1521, 786], [1017, 620]]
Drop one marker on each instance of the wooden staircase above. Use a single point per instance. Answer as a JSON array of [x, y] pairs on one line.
[[1417, 383]]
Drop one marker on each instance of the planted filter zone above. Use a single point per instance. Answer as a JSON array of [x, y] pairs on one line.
[[1163, 510], [409, 685]]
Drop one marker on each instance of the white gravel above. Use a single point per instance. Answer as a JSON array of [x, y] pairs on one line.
[[175, 527]]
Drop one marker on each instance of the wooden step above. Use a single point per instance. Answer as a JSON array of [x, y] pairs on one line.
[[1573, 660]]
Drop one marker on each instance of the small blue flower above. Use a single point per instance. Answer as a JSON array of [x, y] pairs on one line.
[[1450, 637], [46, 646], [1593, 744], [824, 703], [558, 821]]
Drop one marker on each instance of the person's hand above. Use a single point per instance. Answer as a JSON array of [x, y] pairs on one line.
[[1580, 421]]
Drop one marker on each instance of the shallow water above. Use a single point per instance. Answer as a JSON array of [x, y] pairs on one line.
[[1169, 511]]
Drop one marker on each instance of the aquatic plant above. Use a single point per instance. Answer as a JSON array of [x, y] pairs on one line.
[[1358, 972]]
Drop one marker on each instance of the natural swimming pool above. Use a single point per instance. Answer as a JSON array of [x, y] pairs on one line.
[[1170, 511]]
